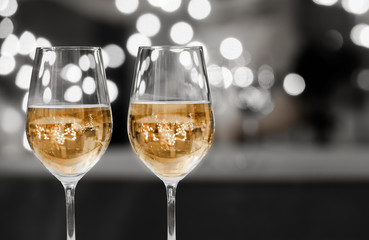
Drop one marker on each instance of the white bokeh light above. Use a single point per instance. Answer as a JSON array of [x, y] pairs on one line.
[[181, 33], [136, 40], [11, 120], [266, 76], [325, 2], [360, 35], [148, 24], [116, 55], [23, 78], [243, 77], [215, 75], [7, 65], [46, 78], [27, 43], [199, 9], [112, 89], [3, 4], [40, 42], [88, 85], [185, 59], [294, 84], [6, 27], [356, 33], [127, 6], [356, 6], [71, 73], [170, 5], [231, 48], [227, 77], [46, 97], [363, 79], [73, 94], [10, 46], [8, 8], [142, 88], [84, 62]]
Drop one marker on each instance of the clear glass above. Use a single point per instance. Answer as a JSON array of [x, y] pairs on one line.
[[69, 120], [170, 120]]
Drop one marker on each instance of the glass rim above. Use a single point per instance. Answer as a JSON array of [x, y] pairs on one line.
[[68, 48], [170, 47]]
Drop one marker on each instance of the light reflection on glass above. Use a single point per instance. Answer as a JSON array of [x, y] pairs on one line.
[[116, 55], [136, 40], [27, 43], [105, 58], [6, 27], [148, 24], [199, 9], [25, 142], [181, 33], [127, 6], [112, 89], [23, 77], [7, 64], [73, 94], [231, 48], [24, 102], [294, 84], [356, 6]]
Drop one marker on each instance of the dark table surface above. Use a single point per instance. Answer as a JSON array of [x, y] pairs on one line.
[[237, 193]]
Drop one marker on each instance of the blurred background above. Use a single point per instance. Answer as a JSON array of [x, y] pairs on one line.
[[290, 88]]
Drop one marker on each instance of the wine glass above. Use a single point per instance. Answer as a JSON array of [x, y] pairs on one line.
[[170, 120], [69, 121]]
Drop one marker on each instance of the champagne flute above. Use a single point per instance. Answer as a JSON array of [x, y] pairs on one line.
[[69, 122], [170, 120]]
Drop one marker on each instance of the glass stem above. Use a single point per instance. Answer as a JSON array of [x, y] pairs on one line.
[[69, 189], [171, 210]]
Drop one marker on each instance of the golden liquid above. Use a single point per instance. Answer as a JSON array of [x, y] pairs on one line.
[[69, 141], [171, 138]]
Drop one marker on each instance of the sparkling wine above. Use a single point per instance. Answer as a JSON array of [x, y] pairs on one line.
[[171, 138], [69, 140]]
